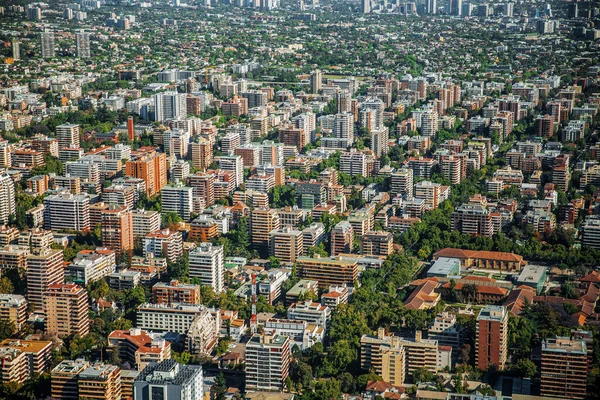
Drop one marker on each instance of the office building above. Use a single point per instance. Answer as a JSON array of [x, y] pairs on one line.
[[169, 380], [564, 368], [44, 268], [287, 244], [67, 309], [207, 263], [267, 362], [117, 228], [47, 44], [83, 44], [491, 338]]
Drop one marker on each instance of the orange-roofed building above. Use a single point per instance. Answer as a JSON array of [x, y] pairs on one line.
[[423, 297], [138, 347], [484, 259]]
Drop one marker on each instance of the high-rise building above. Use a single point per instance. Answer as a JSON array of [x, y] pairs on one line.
[[202, 153], [44, 268], [203, 190], [353, 163], [287, 244], [64, 379], [207, 263], [144, 222], [235, 165], [7, 198], [100, 382], [117, 228], [13, 308], [473, 219], [47, 44], [16, 50], [402, 182], [342, 238], [366, 6], [68, 136], [328, 270], [385, 355], [151, 166], [169, 380], [343, 127], [83, 44], [177, 199], [67, 211], [164, 243], [267, 362], [170, 105], [66, 307], [316, 81], [262, 222], [564, 368], [377, 243], [492, 337], [431, 6]]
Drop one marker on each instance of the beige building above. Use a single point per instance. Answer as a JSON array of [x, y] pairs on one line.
[[67, 309], [287, 244], [44, 268], [13, 308]]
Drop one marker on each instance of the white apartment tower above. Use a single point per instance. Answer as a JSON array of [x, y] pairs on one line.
[[7, 198], [169, 105], [207, 263], [47, 44]]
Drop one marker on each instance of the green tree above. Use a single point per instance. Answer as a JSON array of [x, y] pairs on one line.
[[6, 286], [220, 387], [182, 358]]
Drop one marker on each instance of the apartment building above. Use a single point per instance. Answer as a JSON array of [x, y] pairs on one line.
[[287, 244], [262, 222], [67, 309], [564, 368], [175, 292], [491, 337], [311, 312], [67, 211], [267, 362], [177, 199], [342, 238], [13, 308], [138, 347], [378, 243], [164, 243], [185, 382], [175, 317], [149, 165], [144, 222], [44, 268], [117, 228], [328, 271], [207, 263]]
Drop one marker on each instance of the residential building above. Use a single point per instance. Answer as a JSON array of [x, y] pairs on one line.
[[262, 222], [67, 309], [13, 308], [144, 222], [149, 165], [206, 262], [99, 382], [169, 380], [491, 341], [67, 211], [139, 348], [311, 312], [564, 368], [164, 243], [175, 292], [175, 317], [68, 136], [287, 244], [377, 243], [64, 379], [44, 268], [328, 271], [267, 362], [7, 198], [117, 228], [177, 199]]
